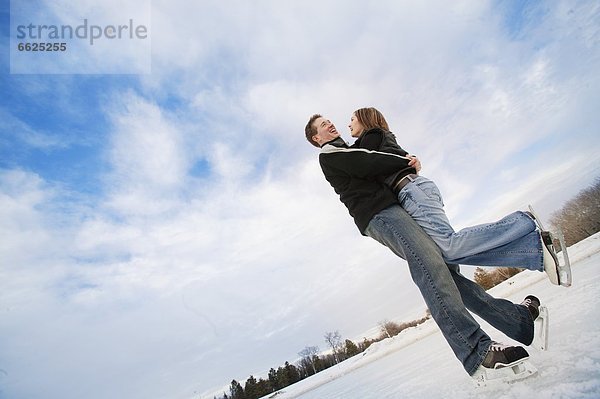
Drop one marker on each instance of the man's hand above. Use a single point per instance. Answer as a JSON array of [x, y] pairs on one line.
[[414, 162]]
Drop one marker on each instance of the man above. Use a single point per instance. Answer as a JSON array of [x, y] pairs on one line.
[[446, 292]]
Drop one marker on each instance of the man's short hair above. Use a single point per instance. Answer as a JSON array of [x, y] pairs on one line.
[[310, 130]]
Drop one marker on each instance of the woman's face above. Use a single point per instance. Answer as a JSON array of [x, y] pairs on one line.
[[356, 128]]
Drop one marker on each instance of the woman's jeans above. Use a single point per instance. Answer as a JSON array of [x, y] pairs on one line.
[[447, 293], [511, 241]]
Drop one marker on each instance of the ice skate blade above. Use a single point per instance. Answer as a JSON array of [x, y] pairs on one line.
[[564, 268], [484, 377], [540, 332]]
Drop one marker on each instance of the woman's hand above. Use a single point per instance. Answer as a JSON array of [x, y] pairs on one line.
[[414, 162]]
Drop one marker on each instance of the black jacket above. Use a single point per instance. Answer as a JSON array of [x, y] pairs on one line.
[[353, 173], [381, 140]]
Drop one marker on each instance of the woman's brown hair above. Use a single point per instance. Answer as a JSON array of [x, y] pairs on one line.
[[371, 118]]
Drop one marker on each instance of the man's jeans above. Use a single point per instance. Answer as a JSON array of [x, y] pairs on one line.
[[512, 241], [447, 293]]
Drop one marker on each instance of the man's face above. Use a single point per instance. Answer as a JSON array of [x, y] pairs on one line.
[[326, 131]]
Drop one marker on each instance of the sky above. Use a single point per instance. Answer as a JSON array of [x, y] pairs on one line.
[[166, 230]]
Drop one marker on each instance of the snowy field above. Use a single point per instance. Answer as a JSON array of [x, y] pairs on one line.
[[418, 363]]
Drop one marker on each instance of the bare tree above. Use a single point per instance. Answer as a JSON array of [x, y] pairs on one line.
[[389, 328], [579, 218], [334, 340], [308, 355], [490, 277]]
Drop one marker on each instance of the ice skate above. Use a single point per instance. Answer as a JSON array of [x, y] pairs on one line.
[[559, 273], [565, 277], [503, 364], [539, 314]]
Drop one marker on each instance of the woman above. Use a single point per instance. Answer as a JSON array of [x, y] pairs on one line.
[[421, 199]]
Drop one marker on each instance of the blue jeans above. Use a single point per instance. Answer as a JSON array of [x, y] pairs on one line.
[[511, 241], [447, 293]]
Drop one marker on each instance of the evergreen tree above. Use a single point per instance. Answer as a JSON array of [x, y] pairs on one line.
[[251, 388], [365, 344], [263, 387], [282, 378], [273, 380], [319, 363], [351, 349], [292, 373], [236, 390]]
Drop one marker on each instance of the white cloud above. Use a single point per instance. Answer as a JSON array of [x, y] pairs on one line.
[[146, 148]]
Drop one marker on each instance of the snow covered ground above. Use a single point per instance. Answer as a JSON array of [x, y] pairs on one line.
[[418, 363]]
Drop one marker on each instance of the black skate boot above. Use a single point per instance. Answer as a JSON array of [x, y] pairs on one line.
[[503, 363], [500, 355], [539, 315], [533, 305]]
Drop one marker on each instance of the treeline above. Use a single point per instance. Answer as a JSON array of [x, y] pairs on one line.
[[578, 219], [491, 277], [313, 361]]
